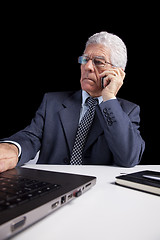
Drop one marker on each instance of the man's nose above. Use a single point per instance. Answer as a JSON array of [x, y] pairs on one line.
[[89, 66]]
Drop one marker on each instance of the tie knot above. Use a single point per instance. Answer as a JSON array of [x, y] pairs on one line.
[[91, 101]]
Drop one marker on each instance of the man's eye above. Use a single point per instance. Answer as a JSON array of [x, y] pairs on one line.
[[98, 62], [85, 60]]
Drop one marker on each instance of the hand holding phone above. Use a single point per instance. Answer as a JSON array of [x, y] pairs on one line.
[[111, 82]]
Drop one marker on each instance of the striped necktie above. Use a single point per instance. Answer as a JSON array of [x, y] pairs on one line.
[[82, 132]]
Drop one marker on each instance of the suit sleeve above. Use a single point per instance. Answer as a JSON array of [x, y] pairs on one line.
[[30, 138], [120, 123]]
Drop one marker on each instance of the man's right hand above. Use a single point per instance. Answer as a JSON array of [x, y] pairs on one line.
[[8, 156]]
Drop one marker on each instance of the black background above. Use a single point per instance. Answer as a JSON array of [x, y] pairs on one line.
[[39, 50]]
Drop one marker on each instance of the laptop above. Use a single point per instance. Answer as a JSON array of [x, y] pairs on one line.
[[28, 195]]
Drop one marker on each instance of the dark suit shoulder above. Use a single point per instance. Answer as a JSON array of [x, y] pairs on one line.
[[60, 96], [57, 97], [127, 105], [61, 99]]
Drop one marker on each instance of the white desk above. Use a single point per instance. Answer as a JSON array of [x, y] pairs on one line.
[[106, 211]]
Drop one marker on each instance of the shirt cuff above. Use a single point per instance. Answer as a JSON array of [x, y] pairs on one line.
[[111, 99]]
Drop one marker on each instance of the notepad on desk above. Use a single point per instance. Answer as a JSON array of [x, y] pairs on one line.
[[147, 181]]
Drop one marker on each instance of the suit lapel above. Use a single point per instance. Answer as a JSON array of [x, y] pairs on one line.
[[69, 116]]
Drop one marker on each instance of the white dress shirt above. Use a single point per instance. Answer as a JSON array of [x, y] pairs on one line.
[[85, 107]]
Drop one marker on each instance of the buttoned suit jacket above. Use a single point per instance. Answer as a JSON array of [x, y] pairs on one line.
[[114, 138]]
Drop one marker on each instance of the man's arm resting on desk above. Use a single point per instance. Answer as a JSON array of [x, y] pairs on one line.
[[8, 156]]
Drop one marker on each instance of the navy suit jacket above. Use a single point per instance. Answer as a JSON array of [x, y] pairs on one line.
[[114, 138]]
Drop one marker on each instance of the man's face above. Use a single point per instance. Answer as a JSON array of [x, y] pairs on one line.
[[90, 80]]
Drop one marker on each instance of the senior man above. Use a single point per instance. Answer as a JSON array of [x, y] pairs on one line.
[[89, 126]]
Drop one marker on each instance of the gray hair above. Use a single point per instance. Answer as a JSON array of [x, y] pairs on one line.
[[118, 50]]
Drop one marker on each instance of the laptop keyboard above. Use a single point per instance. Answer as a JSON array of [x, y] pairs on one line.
[[15, 190]]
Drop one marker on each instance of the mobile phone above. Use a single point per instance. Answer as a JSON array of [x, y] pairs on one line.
[[102, 81]]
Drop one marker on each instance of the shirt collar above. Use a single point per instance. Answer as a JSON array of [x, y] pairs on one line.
[[85, 95]]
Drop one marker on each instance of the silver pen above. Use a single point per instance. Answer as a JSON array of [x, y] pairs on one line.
[[152, 177]]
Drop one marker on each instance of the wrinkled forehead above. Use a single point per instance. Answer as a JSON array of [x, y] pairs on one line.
[[93, 50]]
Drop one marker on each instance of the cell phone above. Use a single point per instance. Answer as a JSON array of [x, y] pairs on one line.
[[102, 81]]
